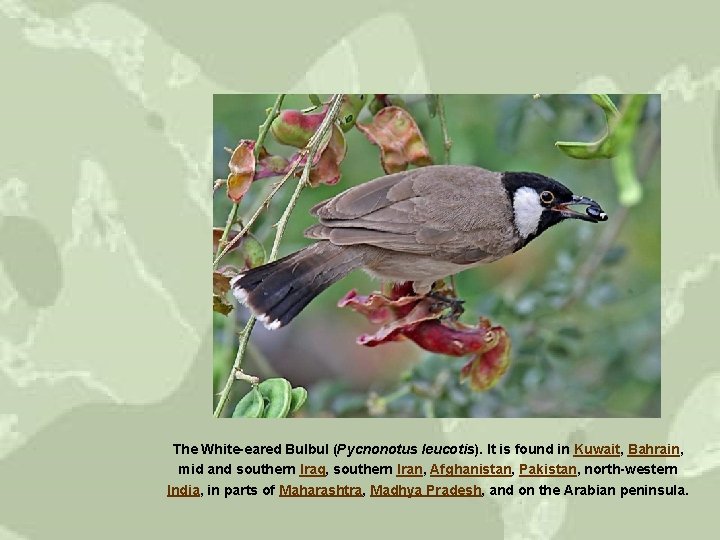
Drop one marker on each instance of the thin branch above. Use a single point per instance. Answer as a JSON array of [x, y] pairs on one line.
[[263, 206], [447, 146], [240, 375], [313, 146], [266, 125], [447, 141], [242, 345], [232, 215], [310, 150]]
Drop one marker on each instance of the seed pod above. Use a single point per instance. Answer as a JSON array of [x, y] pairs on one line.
[[277, 393], [350, 109], [242, 170], [298, 397], [294, 128], [399, 138], [251, 405]]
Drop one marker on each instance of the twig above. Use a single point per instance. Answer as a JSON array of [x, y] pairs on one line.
[[266, 125], [447, 146], [260, 209], [447, 141], [310, 150], [313, 145], [232, 215], [242, 345], [240, 375]]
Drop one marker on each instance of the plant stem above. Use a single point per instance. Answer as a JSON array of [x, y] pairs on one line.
[[447, 146], [262, 133], [310, 150], [225, 393], [265, 127], [232, 215], [259, 211], [447, 141]]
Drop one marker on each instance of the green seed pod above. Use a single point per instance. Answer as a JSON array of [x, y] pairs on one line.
[[629, 187], [294, 128], [298, 397], [253, 252], [606, 104], [251, 405], [278, 394], [350, 109]]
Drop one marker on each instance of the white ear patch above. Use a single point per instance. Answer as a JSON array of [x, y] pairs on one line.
[[527, 209]]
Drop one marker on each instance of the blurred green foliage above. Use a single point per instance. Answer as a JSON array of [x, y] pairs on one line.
[[578, 348]]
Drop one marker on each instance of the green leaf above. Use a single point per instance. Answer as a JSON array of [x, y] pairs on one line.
[[277, 393], [315, 100], [298, 396], [251, 405], [248, 252], [253, 252]]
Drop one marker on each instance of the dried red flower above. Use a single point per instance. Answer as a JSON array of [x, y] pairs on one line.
[[423, 320]]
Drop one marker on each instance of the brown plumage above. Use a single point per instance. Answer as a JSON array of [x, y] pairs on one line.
[[421, 225]]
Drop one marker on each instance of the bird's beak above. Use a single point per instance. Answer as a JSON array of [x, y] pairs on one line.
[[593, 213]]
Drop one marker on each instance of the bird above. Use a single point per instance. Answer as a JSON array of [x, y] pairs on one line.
[[419, 226]]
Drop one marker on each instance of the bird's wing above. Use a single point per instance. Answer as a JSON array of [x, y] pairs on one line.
[[431, 211]]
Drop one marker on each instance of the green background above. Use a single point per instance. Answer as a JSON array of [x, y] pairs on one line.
[[105, 333]]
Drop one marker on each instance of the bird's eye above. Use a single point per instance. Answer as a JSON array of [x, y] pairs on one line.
[[547, 197]]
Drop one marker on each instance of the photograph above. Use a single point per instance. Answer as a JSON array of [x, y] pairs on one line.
[[436, 255]]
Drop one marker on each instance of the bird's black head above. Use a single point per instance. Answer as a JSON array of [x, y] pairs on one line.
[[540, 202]]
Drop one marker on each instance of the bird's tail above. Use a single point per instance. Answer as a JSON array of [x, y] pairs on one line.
[[276, 292]]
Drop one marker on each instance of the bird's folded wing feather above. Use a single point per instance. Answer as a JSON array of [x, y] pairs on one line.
[[429, 211]]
